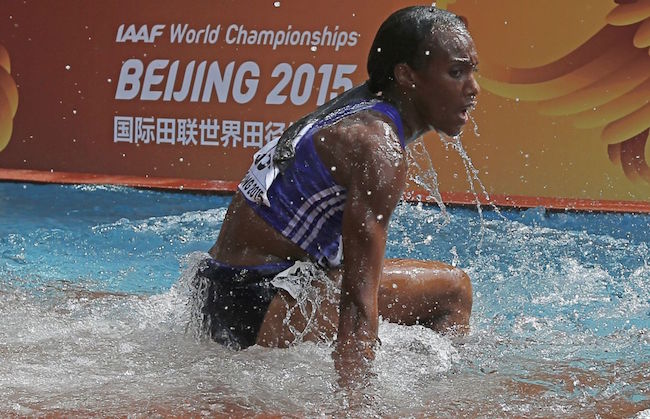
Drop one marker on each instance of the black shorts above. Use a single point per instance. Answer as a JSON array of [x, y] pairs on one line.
[[235, 300]]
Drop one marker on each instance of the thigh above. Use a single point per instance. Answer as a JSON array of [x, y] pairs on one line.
[[287, 321], [411, 291], [431, 293]]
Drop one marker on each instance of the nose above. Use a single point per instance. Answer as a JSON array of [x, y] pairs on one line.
[[472, 87]]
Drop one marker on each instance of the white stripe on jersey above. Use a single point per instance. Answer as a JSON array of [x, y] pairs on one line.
[[325, 193], [314, 215], [319, 225]]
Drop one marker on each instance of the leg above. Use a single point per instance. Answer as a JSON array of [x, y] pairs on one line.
[[430, 293], [319, 324], [433, 294]]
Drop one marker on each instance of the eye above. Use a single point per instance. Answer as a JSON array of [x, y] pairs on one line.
[[456, 73]]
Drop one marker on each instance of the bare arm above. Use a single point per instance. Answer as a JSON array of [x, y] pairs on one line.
[[374, 177]]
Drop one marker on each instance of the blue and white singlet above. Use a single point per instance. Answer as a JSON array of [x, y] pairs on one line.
[[303, 202]]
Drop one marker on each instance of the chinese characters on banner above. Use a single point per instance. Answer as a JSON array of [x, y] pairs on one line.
[[195, 132]]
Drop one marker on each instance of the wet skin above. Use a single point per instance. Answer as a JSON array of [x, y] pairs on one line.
[[444, 90], [364, 156]]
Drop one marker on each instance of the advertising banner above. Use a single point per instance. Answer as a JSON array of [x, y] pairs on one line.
[[564, 111], [170, 94]]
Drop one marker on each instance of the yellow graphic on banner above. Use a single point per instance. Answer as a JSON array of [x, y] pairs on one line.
[[443, 4], [8, 98], [604, 83]]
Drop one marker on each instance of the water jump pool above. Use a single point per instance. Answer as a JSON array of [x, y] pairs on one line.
[[94, 302]]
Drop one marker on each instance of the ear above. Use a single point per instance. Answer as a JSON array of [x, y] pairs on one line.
[[404, 75]]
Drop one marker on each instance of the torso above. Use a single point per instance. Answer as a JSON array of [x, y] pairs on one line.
[[247, 239]]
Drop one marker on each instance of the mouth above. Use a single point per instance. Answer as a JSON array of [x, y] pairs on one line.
[[466, 109]]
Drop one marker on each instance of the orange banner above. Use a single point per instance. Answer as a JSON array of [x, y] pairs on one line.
[[563, 115], [159, 93]]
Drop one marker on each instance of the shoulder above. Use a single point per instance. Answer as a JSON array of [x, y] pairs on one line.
[[364, 137], [369, 129], [363, 148]]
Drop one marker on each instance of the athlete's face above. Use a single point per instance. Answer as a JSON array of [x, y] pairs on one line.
[[445, 88]]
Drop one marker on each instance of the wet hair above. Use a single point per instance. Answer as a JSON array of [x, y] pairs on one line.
[[401, 39]]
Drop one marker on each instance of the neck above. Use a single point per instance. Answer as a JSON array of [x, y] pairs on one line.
[[413, 126]]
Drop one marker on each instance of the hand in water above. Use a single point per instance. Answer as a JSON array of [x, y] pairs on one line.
[[353, 363]]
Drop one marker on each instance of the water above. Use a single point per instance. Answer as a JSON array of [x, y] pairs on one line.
[[93, 297], [424, 175]]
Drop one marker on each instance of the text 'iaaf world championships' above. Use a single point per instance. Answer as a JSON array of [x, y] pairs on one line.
[[237, 34]]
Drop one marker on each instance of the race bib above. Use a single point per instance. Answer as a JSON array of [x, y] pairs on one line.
[[263, 171], [260, 176]]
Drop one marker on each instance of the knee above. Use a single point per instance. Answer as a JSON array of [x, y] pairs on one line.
[[460, 289], [455, 312], [445, 286]]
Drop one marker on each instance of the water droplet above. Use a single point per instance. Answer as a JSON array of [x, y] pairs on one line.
[[276, 4], [476, 133], [455, 259], [426, 177], [333, 168], [67, 67]]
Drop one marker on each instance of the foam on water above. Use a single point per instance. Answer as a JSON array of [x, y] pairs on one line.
[[67, 349], [96, 316]]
